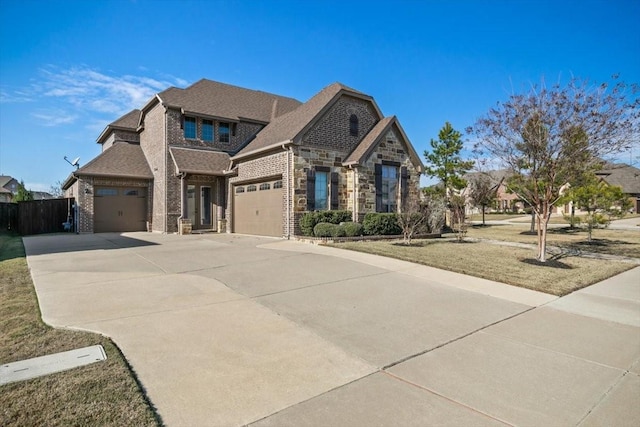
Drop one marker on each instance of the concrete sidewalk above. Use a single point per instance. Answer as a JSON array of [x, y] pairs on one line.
[[232, 330]]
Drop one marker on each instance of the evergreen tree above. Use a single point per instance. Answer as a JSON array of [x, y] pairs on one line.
[[22, 195], [444, 161]]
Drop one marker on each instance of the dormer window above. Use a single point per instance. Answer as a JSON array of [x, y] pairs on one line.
[[353, 125]]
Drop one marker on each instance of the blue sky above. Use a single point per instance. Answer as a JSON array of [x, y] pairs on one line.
[[68, 68]]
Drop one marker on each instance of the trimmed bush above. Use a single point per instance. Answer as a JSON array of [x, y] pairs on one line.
[[309, 220], [352, 229], [381, 224], [324, 229]]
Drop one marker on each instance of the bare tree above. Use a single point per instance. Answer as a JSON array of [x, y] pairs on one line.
[[550, 136], [413, 216], [482, 191]]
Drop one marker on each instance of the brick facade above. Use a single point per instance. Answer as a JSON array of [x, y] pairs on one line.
[[152, 142], [120, 135]]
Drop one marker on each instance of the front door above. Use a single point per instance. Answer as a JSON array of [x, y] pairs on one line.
[[200, 208]]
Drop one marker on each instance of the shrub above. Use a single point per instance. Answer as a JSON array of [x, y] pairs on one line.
[[381, 224], [352, 229], [309, 220], [325, 229]]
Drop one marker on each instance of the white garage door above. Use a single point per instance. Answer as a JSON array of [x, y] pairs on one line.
[[257, 208], [119, 209]]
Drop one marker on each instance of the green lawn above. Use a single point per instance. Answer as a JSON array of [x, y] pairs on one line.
[[516, 266], [104, 393]]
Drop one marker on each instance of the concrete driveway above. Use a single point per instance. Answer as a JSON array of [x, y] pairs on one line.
[[232, 330]]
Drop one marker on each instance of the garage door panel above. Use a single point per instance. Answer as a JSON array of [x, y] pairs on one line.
[[119, 209], [258, 212]]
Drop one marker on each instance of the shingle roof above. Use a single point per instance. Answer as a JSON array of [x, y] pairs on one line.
[[204, 162], [120, 160], [288, 126], [225, 101], [621, 175], [128, 121]]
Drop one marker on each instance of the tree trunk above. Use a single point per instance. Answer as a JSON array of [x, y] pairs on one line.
[[483, 224], [542, 221], [533, 222]]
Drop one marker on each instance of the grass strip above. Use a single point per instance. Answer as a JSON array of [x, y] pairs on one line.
[[511, 265], [105, 393]]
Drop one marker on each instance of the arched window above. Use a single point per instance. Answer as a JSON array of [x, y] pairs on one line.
[[353, 125]]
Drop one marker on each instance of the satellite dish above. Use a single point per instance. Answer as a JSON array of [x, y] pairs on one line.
[[74, 163]]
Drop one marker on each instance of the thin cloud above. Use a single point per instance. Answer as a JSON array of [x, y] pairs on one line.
[[54, 118], [65, 95]]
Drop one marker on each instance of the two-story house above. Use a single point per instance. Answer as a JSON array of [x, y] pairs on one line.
[[214, 155]]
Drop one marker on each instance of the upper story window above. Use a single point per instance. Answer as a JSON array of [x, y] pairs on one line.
[[224, 132], [207, 130], [190, 127], [353, 125]]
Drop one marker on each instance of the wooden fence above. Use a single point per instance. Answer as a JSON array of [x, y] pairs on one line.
[[36, 217]]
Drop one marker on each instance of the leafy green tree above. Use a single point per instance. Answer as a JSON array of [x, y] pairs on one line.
[[22, 194], [549, 137], [602, 202], [444, 161]]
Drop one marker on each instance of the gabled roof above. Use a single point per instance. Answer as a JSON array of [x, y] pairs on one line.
[[220, 100], [202, 162], [621, 175], [122, 160], [5, 180], [127, 122], [363, 150], [288, 127]]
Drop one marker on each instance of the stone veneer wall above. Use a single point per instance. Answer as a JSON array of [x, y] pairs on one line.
[[390, 149]]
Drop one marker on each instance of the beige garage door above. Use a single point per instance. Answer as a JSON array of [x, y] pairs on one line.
[[257, 208], [118, 209]]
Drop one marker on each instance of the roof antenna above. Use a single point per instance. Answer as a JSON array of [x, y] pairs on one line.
[[74, 162]]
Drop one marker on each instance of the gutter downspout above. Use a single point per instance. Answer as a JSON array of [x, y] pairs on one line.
[[289, 199]]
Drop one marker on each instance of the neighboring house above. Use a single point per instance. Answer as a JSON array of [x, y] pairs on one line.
[[504, 201], [624, 176], [8, 187], [219, 157]]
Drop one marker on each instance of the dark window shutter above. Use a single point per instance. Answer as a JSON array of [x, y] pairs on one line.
[[378, 182], [311, 189], [334, 191], [404, 184]]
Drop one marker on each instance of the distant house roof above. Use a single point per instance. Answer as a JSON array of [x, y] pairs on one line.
[[621, 175], [5, 182], [122, 160], [203, 162], [127, 122], [290, 126], [220, 100]]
